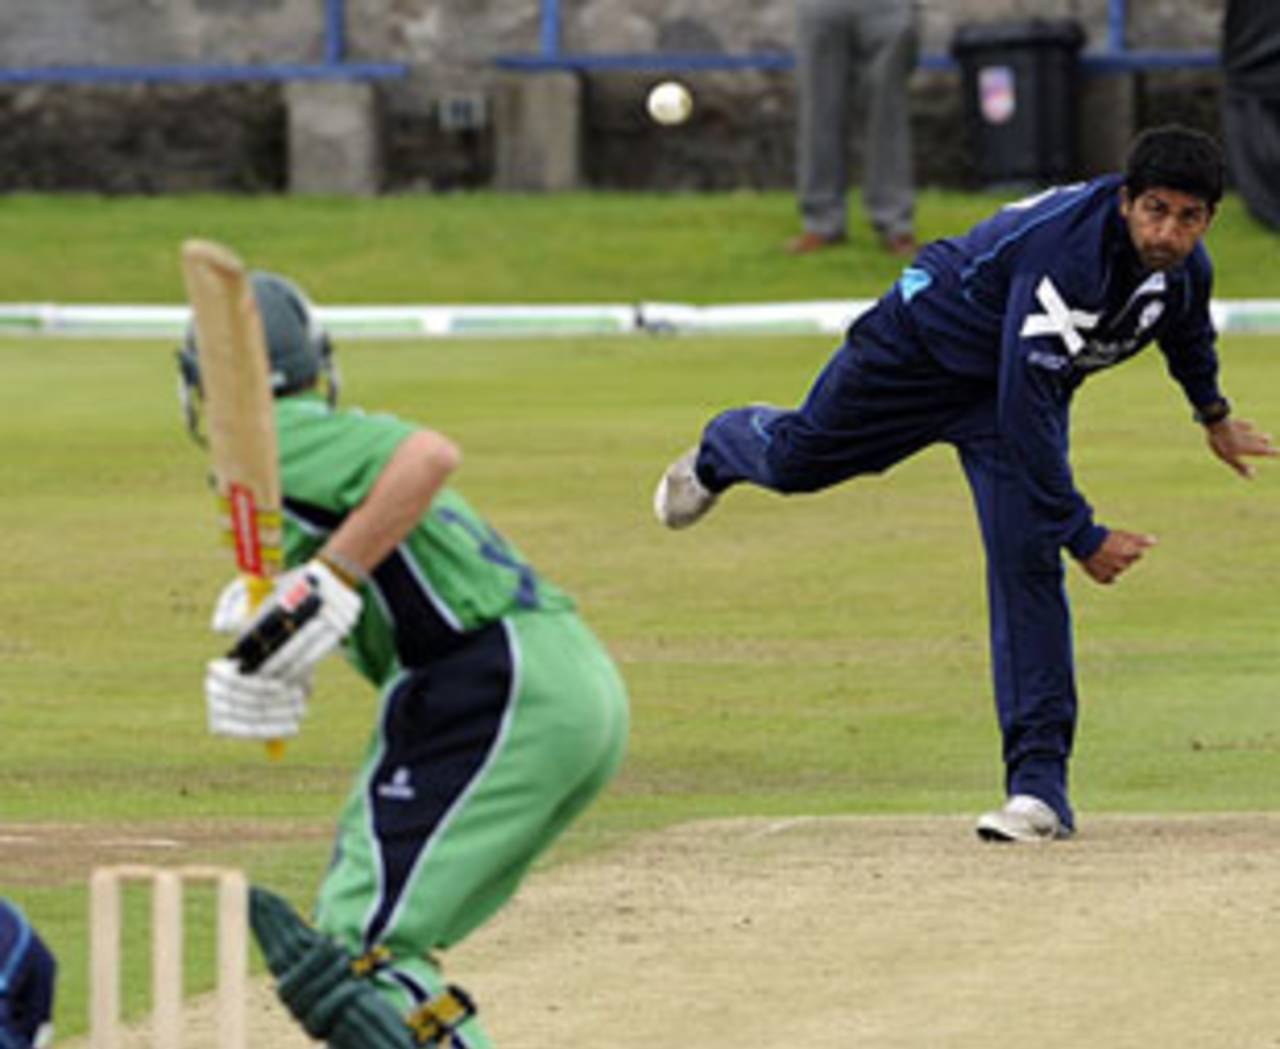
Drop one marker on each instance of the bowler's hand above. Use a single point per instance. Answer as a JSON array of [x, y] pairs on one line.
[[1232, 439], [1117, 552]]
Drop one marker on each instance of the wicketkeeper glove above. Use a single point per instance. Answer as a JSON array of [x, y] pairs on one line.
[[306, 618], [250, 706]]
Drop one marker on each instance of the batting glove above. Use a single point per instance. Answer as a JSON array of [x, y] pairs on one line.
[[306, 618], [249, 706], [231, 610]]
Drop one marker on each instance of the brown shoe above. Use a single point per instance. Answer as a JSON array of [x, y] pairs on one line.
[[808, 242], [903, 245]]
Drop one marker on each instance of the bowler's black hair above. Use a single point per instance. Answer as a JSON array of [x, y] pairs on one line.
[[1175, 157]]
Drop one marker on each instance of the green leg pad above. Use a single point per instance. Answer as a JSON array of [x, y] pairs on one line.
[[317, 984]]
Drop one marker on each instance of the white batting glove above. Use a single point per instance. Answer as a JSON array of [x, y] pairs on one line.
[[231, 610], [250, 706], [306, 618]]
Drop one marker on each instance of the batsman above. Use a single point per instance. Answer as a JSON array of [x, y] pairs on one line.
[[499, 716]]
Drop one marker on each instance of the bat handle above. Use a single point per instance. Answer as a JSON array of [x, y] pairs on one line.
[[259, 589]]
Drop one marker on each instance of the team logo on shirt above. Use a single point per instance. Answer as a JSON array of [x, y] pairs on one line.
[[1090, 341], [400, 788], [1058, 319]]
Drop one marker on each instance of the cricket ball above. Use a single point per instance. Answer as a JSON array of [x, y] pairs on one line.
[[670, 103]]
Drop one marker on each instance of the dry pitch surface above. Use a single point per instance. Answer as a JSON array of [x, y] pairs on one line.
[[886, 933]]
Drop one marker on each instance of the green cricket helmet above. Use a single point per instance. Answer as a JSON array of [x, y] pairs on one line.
[[298, 345]]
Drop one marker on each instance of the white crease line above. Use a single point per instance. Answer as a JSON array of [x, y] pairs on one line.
[[140, 843], [780, 826], [106, 843]]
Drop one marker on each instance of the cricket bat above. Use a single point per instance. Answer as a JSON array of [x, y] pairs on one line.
[[236, 387]]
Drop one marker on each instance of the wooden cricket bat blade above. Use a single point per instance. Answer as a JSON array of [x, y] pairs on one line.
[[235, 382]]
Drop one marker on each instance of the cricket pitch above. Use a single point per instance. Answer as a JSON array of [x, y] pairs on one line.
[[894, 933]]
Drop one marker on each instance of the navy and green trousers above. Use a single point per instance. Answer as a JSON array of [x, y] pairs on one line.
[[480, 759]]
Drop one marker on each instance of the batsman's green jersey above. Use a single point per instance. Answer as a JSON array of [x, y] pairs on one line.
[[501, 715]]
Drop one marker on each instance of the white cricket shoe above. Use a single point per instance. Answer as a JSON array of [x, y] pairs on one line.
[[681, 499], [1022, 818]]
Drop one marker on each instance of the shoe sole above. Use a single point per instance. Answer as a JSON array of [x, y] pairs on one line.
[[998, 836], [1004, 838]]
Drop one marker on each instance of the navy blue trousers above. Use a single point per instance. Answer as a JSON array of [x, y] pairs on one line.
[[875, 404], [27, 974]]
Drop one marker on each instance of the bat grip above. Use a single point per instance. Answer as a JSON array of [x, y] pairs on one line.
[[259, 589]]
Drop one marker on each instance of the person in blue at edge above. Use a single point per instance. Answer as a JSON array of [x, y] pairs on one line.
[[981, 344], [27, 975]]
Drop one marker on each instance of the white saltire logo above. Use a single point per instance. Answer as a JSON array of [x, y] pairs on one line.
[[1058, 319]]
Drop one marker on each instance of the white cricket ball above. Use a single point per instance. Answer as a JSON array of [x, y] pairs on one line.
[[670, 103]]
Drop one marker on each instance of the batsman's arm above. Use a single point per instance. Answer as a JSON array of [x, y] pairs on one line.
[[309, 615], [403, 492]]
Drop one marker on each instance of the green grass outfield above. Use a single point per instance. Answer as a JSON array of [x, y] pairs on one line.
[[824, 654], [486, 248]]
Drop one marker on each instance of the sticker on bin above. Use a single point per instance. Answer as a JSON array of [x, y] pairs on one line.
[[996, 94]]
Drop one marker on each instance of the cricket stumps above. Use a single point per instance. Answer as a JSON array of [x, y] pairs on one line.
[[167, 886]]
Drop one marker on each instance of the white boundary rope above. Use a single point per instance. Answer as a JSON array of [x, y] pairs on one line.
[[824, 317]]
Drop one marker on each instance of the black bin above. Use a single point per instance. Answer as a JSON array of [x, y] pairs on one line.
[[1020, 81]]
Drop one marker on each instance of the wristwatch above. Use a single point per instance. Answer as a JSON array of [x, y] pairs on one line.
[[1213, 412]]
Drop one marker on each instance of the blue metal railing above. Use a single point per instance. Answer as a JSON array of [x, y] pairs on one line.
[[655, 61], [162, 74], [550, 35], [335, 30], [1117, 25], [1117, 57], [333, 67]]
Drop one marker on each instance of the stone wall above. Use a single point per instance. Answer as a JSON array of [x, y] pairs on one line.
[[138, 32], [171, 139], [135, 138]]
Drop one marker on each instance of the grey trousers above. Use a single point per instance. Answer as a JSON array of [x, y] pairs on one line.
[[1251, 126], [843, 46]]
